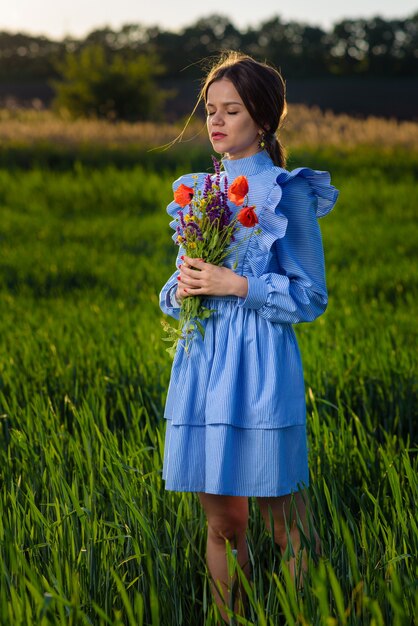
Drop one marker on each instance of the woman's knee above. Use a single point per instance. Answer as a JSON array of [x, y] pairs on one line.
[[227, 517], [231, 528], [283, 515]]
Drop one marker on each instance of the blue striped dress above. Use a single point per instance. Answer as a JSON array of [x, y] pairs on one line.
[[235, 409]]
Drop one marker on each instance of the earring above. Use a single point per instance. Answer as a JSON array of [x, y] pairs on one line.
[[261, 141]]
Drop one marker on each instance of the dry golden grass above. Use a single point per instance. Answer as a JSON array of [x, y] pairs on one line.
[[303, 126], [311, 126]]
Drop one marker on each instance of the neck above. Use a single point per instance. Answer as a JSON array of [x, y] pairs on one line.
[[248, 166]]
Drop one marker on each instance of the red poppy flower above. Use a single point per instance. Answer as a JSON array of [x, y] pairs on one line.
[[238, 190], [183, 195], [247, 216]]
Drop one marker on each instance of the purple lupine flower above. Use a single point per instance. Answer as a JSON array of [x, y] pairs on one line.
[[182, 222], [217, 168], [192, 226], [213, 209], [207, 186], [223, 203], [179, 234], [226, 186], [225, 213]]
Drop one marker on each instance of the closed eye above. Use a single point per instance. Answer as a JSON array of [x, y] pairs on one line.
[[229, 113]]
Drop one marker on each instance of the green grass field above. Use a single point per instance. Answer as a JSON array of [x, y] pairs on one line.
[[88, 534]]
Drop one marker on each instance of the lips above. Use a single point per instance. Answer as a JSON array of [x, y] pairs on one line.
[[218, 136]]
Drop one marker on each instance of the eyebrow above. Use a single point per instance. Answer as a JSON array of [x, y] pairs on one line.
[[209, 104]]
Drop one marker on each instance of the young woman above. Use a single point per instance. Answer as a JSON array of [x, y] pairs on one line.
[[235, 408]]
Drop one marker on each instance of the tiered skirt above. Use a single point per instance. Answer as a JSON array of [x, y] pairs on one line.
[[235, 409]]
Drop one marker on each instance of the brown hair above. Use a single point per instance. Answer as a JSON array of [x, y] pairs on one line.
[[262, 90]]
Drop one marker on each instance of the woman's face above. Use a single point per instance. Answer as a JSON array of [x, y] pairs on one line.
[[231, 128]]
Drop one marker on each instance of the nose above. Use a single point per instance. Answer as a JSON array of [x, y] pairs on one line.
[[216, 119]]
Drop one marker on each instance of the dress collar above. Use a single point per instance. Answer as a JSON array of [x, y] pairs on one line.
[[248, 166]]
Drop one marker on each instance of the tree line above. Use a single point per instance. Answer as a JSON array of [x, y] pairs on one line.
[[367, 47]]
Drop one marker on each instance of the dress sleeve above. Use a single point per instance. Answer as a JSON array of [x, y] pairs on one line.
[[168, 301], [297, 291]]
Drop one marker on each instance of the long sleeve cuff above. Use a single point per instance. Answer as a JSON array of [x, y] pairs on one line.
[[256, 295], [171, 297]]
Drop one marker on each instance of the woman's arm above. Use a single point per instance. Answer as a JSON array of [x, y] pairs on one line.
[[297, 292], [198, 278], [168, 301]]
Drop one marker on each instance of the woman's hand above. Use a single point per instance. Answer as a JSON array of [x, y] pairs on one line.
[[198, 278]]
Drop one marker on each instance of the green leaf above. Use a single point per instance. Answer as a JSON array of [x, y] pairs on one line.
[[200, 327], [205, 313], [172, 350]]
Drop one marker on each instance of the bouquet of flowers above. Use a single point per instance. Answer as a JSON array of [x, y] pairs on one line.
[[206, 231]]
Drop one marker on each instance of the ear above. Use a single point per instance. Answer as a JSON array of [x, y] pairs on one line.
[[265, 129]]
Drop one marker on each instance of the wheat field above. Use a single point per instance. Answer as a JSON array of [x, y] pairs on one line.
[[303, 126]]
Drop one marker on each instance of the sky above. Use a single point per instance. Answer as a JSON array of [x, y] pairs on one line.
[[58, 18]]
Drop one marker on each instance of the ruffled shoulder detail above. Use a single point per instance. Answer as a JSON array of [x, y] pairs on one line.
[[272, 225], [173, 208], [320, 182], [271, 221]]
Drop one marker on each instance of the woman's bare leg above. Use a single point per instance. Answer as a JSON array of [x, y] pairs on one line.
[[227, 519], [286, 511]]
